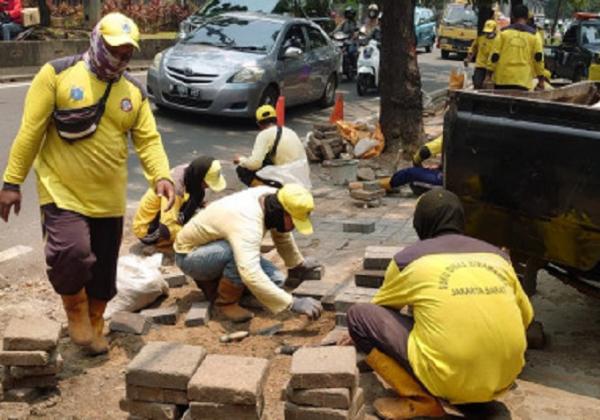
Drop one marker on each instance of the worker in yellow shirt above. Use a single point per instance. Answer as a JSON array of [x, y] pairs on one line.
[[465, 341], [481, 50], [78, 114], [517, 54], [152, 226]]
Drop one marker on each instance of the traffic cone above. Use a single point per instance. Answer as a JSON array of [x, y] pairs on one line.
[[338, 109], [280, 110]]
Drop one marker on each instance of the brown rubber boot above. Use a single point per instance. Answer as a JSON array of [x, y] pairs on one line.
[[385, 183], [209, 289], [80, 328], [99, 344], [227, 301], [414, 400]]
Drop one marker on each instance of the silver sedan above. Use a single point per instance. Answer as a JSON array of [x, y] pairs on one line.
[[238, 61]]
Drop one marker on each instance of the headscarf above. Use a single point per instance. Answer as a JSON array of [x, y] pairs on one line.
[[100, 61], [438, 212], [193, 179], [274, 214]]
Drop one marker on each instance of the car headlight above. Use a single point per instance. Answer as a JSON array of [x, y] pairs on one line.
[[157, 60], [247, 75]]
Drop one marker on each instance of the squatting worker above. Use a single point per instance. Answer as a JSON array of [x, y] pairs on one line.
[[152, 226], [220, 248], [517, 54], [274, 145], [82, 183], [466, 342], [481, 49]]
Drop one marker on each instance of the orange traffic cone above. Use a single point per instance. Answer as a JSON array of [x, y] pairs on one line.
[[338, 109], [280, 110]]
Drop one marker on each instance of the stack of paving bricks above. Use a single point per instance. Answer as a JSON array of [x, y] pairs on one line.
[[157, 380], [228, 387], [326, 143], [370, 194], [324, 384], [30, 358]]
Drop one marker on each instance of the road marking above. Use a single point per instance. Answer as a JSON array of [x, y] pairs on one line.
[[15, 251], [24, 84]]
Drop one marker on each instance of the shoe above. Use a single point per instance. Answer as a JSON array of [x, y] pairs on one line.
[[99, 344], [413, 401], [76, 308], [228, 299]]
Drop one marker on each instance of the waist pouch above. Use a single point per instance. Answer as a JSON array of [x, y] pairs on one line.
[[79, 123]]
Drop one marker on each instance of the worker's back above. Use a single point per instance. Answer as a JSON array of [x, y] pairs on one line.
[[290, 147]]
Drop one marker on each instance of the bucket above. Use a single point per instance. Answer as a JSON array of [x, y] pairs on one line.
[[343, 171]]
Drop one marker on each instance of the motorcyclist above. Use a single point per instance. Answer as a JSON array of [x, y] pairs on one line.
[[371, 26], [348, 25]]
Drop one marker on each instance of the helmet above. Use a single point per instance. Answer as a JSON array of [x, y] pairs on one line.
[[373, 11], [265, 113], [349, 12], [373, 6]]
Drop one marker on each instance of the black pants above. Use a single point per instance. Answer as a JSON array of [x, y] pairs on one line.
[[510, 87], [479, 77]]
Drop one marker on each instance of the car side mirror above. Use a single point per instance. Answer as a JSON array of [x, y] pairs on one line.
[[422, 21], [292, 52]]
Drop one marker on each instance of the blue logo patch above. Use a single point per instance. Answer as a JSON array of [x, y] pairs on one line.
[[126, 28], [76, 93]]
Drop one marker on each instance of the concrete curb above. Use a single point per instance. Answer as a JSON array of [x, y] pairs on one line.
[[26, 77]]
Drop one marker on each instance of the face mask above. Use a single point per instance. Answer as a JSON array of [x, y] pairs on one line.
[[373, 15], [275, 214]]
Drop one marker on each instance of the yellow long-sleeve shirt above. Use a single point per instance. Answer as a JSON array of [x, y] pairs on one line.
[[290, 148], [239, 219], [429, 149], [482, 48], [468, 341], [90, 175]]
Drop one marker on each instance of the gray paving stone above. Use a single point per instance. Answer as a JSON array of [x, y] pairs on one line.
[[24, 358], [371, 186], [229, 379], [319, 397], [217, 411], [164, 316], [323, 367], [163, 364], [31, 333], [363, 195], [315, 289], [198, 315], [379, 257], [297, 412], [129, 322], [175, 280], [150, 410], [54, 367], [160, 395], [352, 295], [369, 278], [359, 226]]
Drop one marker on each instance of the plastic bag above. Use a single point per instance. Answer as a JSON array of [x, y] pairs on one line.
[[296, 172], [353, 133], [364, 146], [139, 283], [457, 78]]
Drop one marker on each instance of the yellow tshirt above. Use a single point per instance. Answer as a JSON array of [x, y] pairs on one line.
[[482, 45], [471, 314], [289, 149], [90, 175]]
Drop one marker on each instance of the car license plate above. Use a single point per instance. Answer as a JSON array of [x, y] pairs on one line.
[[179, 90], [195, 93]]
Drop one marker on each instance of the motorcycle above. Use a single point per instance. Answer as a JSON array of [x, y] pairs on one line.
[[368, 64], [348, 46]]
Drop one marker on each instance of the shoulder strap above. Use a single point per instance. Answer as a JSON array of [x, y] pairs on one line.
[[106, 93], [273, 151]]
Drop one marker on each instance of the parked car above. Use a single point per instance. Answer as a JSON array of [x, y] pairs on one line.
[[236, 62], [425, 28], [458, 29], [319, 11]]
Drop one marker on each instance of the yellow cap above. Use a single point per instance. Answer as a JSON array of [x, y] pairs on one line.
[[117, 29], [214, 178], [265, 112], [298, 202], [490, 26]]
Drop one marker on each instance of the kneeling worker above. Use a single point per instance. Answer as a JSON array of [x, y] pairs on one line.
[[152, 226], [220, 249], [466, 343]]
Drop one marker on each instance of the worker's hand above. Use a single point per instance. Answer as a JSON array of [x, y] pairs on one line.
[[541, 84], [307, 306], [8, 199], [345, 340], [165, 188]]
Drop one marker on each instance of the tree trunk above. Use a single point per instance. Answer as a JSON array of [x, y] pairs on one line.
[[44, 13], [401, 101]]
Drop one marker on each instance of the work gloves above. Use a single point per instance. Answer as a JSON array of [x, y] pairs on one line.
[[307, 306]]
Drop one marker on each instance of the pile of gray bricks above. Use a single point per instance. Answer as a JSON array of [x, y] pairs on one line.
[[228, 387], [324, 384], [30, 359], [157, 380]]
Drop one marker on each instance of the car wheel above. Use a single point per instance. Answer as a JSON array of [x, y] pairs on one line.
[[328, 98], [269, 96], [579, 74], [361, 85], [428, 48], [445, 54]]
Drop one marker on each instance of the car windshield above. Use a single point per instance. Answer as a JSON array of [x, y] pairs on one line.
[[590, 34], [254, 35], [218, 7], [460, 14]]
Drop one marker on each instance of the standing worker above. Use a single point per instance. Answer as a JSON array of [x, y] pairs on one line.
[[517, 54], [466, 340], [481, 49], [78, 114]]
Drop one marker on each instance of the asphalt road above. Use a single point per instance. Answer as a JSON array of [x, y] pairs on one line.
[[184, 136]]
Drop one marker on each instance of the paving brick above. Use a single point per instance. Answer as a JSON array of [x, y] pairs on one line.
[[315, 289], [369, 278], [228, 379], [46, 381], [328, 300], [324, 367], [364, 195], [129, 322], [371, 186], [334, 336], [198, 315], [148, 410], [175, 279], [163, 364], [379, 257], [320, 397], [24, 358], [216, 411], [14, 411], [297, 412], [341, 320], [352, 295], [21, 394], [31, 333], [164, 316], [160, 395], [359, 226], [54, 367]]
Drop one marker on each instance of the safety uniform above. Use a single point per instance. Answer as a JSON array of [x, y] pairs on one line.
[[290, 148]]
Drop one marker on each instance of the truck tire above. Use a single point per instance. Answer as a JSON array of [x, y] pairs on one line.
[[428, 48], [579, 74], [445, 54]]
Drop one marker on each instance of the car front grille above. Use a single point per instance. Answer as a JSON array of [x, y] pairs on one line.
[[188, 76], [188, 102]]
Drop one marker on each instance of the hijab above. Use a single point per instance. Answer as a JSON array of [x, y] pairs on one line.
[[193, 179], [100, 61], [274, 214], [438, 212]]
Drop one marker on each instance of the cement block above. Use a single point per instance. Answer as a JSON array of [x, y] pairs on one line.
[[320, 397], [323, 367], [46, 381], [228, 379], [359, 226], [341, 320], [54, 367], [163, 364], [175, 280], [129, 322], [31, 333], [216, 411], [379, 257], [160, 395], [363, 195], [371, 186], [198, 315], [164, 316], [369, 278], [25, 395], [352, 295], [315, 289], [297, 412], [14, 411], [366, 174], [24, 358], [150, 410]]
